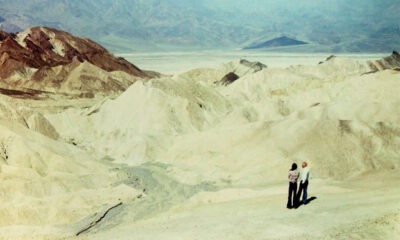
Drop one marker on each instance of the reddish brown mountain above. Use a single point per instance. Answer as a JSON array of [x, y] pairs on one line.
[[48, 59], [46, 47]]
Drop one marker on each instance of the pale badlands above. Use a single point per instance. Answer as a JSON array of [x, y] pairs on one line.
[[185, 157]]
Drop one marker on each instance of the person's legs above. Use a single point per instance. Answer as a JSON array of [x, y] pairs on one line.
[[292, 195], [299, 193], [305, 186], [289, 203], [294, 200]]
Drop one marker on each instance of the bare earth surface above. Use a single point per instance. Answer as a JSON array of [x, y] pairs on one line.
[[204, 155]]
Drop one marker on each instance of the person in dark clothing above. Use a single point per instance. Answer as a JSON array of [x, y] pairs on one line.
[[293, 177]]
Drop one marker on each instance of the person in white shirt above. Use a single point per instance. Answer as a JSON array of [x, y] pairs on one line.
[[305, 177]]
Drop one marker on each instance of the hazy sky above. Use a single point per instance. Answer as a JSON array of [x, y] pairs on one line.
[[352, 24]]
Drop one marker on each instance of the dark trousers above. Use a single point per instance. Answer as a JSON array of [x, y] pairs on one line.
[[303, 189], [292, 195]]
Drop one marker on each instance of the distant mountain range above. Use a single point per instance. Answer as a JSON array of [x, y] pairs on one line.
[[128, 25]]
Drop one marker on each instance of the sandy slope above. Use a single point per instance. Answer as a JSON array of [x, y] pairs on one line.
[[265, 119], [190, 158], [340, 211], [47, 183]]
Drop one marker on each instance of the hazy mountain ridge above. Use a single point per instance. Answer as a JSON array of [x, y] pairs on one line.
[[146, 22], [337, 26]]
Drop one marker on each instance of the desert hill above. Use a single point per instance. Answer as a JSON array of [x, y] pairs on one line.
[[49, 60], [260, 103], [200, 153]]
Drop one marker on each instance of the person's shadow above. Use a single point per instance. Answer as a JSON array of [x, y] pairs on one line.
[[300, 203]]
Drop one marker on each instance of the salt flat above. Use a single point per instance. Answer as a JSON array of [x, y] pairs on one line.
[[177, 62]]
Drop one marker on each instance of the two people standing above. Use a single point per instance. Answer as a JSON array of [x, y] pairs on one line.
[[294, 174]]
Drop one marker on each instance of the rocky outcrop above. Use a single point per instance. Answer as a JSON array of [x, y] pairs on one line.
[[229, 78], [48, 55], [238, 69], [255, 66], [389, 62]]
